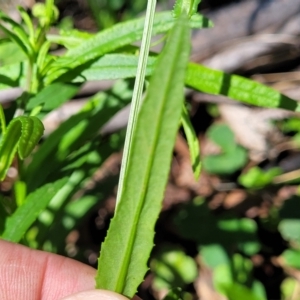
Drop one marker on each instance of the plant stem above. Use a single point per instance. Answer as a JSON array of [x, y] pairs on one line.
[[138, 90]]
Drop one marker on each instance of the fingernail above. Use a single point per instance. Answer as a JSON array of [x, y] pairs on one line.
[[95, 295]]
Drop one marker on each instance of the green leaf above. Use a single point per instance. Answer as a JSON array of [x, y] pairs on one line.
[[193, 142], [27, 20], [74, 133], [226, 163], [188, 7], [226, 229], [289, 225], [114, 66], [172, 267], [67, 217], [236, 87], [43, 59], [25, 215], [53, 96], [235, 280], [62, 215], [109, 66], [22, 134], [69, 38], [107, 41], [45, 13], [222, 135], [257, 178], [174, 294], [32, 131], [2, 120], [12, 75], [233, 156], [291, 258], [20, 190], [16, 34], [214, 255], [15, 53], [236, 291], [289, 286], [124, 254], [4, 212], [290, 229]]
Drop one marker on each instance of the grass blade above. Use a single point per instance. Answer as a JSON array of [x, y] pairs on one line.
[[124, 254]]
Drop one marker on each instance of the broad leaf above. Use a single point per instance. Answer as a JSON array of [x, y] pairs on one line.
[[291, 258], [289, 226], [233, 156]]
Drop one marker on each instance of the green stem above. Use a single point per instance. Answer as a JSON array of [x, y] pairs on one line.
[[138, 90]]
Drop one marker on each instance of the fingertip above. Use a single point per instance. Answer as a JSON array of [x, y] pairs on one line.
[[96, 295]]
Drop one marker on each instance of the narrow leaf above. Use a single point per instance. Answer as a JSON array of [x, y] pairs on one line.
[[69, 38], [109, 40], [236, 87], [124, 254], [73, 134], [193, 142], [27, 20], [17, 33], [8, 148], [12, 75], [114, 66], [25, 215], [2, 120], [188, 7], [10, 34], [53, 96]]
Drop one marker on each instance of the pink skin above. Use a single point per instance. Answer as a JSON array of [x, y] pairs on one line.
[[35, 275]]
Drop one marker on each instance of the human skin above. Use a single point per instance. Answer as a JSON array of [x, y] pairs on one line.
[[36, 275]]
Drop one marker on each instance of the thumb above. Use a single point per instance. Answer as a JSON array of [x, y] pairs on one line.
[[95, 295]]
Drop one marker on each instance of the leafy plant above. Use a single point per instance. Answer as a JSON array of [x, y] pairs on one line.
[[257, 178], [233, 156], [53, 171], [173, 268]]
